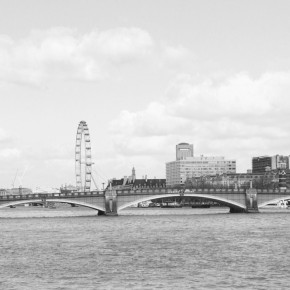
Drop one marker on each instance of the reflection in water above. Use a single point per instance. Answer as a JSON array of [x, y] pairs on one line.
[[143, 249]]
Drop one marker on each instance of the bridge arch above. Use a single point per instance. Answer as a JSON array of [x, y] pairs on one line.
[[275, 200], [229, 203], [84, 204]]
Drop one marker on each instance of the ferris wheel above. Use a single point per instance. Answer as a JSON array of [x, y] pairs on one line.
[[83, 158]]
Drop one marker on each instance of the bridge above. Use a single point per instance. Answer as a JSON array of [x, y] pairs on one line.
[[110, 202]]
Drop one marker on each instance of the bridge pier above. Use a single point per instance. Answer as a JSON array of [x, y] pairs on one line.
[[44, 201], [111, 203], [251, 201], [237, 210]]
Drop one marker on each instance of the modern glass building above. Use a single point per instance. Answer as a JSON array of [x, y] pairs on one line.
[[262, 163]]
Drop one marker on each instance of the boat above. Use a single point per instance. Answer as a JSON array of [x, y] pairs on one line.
[[144, 203], [200, 206], [171, 205], [154, 204], [282, 203]]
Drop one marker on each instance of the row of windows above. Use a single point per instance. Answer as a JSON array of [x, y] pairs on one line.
[[199, 167], [176, 163]]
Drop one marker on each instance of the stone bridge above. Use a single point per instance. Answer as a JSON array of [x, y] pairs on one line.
[[110, 202]]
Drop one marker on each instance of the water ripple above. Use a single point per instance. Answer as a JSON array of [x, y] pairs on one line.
[[143, 249]]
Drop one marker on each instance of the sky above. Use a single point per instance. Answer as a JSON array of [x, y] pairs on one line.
[[145, 76]]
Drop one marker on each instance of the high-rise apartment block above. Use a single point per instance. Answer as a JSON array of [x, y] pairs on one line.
[[264, 163], [187, 166]]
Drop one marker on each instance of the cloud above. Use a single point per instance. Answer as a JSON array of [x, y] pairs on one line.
[[119, 45], [4, 136], [10, 153], [238, 117], [7, 148], [51, 153], [176, 56], [62, 53]]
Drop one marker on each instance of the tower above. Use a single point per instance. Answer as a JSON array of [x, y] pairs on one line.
[[184, 150], [133, 174]]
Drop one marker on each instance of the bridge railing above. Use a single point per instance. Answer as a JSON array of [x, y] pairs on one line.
[[143, 191], [174, 190], [277, 190], [50, 195], [195, 190]]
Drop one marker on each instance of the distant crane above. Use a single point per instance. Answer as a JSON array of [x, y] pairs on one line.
[[20, 179], [13, 182]]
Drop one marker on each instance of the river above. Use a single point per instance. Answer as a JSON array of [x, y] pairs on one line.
[[72, 248]]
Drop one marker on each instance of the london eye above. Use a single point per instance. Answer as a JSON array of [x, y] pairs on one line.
[[83, 158]]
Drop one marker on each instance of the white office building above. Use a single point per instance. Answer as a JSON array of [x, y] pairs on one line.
[[189, 166]]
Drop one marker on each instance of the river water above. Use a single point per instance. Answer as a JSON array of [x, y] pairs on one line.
[[72, 248]]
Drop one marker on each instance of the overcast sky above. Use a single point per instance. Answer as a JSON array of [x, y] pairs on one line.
[[144, 75]]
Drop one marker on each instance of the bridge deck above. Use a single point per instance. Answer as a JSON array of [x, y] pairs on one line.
[[134, 192]]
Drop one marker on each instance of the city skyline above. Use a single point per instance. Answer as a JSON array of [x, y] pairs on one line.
[[144, 76]]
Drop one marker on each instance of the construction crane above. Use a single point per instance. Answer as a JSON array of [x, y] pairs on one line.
[[13, 182], [94, 182]]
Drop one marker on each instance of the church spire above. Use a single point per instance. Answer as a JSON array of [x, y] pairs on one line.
[[133, 174]]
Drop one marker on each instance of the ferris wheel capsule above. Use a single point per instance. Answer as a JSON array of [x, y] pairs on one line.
[[83, 158]]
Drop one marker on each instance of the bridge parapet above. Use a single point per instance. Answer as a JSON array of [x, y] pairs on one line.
[[50, 195], [172, 191], [271, 191]]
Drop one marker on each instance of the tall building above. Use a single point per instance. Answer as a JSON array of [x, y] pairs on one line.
[[184, 150], [187, 166], [263, 163]]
